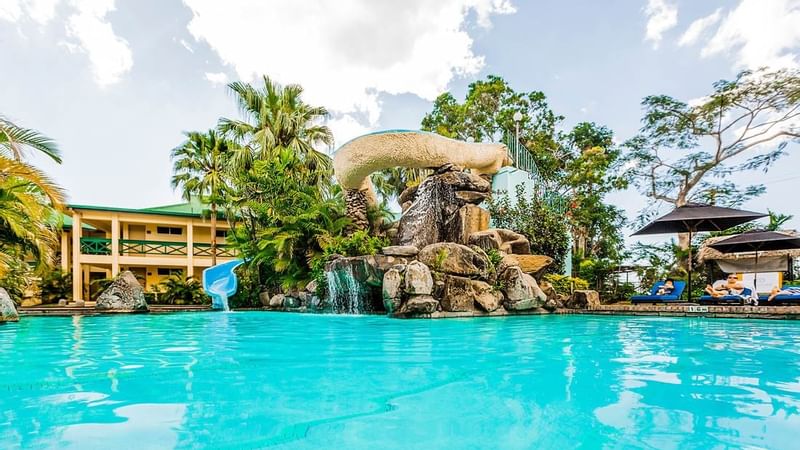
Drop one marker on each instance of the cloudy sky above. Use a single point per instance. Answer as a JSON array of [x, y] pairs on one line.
[[116, 82]]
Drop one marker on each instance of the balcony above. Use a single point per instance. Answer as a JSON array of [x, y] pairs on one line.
[[102, 246]]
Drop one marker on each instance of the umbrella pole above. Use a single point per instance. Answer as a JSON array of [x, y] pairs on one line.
[[689, 294]]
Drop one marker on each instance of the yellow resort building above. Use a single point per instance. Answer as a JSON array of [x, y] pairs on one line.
[[98, 242]]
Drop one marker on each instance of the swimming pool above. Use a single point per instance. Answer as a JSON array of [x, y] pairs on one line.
[[253, 380]]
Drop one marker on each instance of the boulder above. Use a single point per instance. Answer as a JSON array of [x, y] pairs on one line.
[[458, 294], [392, 289], [501, 239], [123, 294], [418, 279], [80, 303], [420, 304], [521, 290], [486, 297], [63, 302], [469, 219], [8, 311], [448, 167], [312, 286], [465, 181], [425, 220], [534, 264], [552, 304], [549, 290], [454, 259], [584, 299], [264, 297], [473, 197], [486, 239], [400, 250], [277, 301], [291, 302], [408, 195]]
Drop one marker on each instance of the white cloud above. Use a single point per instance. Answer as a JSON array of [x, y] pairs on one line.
[[348, 52], [186, 46], [661, 17], [109, 55], [217, 78], [87, 31], [759, 33], [40, 11], [697, 28]]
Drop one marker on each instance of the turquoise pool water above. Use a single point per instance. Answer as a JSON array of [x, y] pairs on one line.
[[254, 380]]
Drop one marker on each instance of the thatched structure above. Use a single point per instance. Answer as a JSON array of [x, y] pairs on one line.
[[706, 253]]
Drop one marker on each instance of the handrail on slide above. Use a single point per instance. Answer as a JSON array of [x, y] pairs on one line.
[[220, 283]]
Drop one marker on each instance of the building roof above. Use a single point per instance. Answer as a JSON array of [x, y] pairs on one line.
[[193, 208]]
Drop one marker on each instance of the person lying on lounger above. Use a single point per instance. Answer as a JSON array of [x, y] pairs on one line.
[[667, 288], [789, 290], [721, 288]]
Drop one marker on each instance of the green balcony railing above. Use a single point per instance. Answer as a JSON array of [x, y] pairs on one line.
[[138, 247], [223, 250], [95, 246], [102, 246], [523, 159]]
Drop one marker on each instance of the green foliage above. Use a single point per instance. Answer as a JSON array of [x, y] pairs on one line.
[[494, 257], [177, 290], [17, 279], [56, 285], [438, 261], [591, 173], [692, 152], [543, 225], [487, 114], [356, 244], [564, 284]]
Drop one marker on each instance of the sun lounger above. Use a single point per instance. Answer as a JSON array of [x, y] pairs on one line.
[[653, 298], [735, 299], [782, 298]]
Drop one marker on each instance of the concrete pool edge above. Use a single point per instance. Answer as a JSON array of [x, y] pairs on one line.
[[684, 310]]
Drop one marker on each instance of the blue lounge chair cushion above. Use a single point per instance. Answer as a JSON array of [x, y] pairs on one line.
[[746, 292], [652, 298]]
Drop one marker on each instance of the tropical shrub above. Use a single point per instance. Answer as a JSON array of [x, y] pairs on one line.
[[543, 224], [564, 284], [182, 291], [56, 285]]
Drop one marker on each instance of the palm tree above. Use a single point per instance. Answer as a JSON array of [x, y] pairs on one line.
[[199, 169], [14, 138], [276, 117], [28, 203], [29, 200]]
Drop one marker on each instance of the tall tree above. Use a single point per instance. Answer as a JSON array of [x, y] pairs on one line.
[[487, 114], [591, 173], [276, 117], [14, 139], [200, 171], [29, 199], [689, 151]]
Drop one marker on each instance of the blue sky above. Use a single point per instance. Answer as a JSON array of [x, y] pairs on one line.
[[116, 82]]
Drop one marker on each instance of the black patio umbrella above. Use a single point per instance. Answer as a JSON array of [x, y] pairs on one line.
[[757, 241], [695, 217]]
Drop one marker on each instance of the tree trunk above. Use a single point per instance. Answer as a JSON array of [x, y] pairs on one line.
[[213, 234]]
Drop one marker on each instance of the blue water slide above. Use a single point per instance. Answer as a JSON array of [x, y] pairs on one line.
[[220, 283]]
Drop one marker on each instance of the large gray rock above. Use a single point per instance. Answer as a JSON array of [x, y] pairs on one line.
[[400, 250], [465, 181], [123, 294], [501, 239], [455, 259], [420, 304], [583, 299], [276, 301], [392, 289], [521, 290], [8, 312], [458, 294], [473, 197], [486, 296], [418, 279]]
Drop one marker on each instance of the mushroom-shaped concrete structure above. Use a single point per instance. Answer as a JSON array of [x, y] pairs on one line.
[[356, 160]]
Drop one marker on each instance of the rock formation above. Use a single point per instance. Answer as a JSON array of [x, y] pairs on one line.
[[123, 294], [8, 311]]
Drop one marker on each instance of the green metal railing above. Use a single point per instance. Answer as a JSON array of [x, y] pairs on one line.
[[95, 246], [223, 250], [139, 247], [523, 159], [102, 246]]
